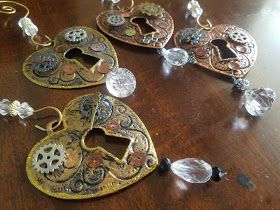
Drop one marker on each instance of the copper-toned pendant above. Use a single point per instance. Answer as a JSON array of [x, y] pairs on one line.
[[145, 25], [79, 57], [63, 166], [225, 49]]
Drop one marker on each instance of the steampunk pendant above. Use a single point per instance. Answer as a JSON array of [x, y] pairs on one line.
[[146, 25], [225, 49], [79, 57], [63, 166]]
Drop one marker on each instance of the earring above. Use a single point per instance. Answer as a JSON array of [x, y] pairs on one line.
[[225, 49], [59, 64], [146, 25], [62, 165]]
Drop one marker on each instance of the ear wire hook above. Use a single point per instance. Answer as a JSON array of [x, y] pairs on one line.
[[6, 9], [127, 8], [207, 26], [58, 122], [44, 44]]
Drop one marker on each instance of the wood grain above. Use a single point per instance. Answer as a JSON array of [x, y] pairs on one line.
[[188, 111]]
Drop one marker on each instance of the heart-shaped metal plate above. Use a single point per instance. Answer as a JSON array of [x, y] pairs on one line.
[[80, 57], [225, 49], [145, 25], [63, 166]]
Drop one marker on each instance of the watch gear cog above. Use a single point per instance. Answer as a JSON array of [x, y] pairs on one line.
[[116, 20], [44, 63], [238, 36], [48, 158], [76, 35]]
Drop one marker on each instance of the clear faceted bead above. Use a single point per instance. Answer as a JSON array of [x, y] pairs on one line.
[[191, 4], [4, 107], [196, 12], [259, 100], [121, 82], [176, 56], [25, 110], [24, 21], [29, 28], [192, 170]]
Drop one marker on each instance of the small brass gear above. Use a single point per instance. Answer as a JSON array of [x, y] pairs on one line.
[[151, 9], [48, 158]]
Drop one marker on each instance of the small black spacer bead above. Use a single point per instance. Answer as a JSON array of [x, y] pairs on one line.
[[217, 174], [164, 165]]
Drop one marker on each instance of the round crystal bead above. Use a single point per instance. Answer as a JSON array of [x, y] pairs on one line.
[[121, 82], [259, 100], [176, 56]]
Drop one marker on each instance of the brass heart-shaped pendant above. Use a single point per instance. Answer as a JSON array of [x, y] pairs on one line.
[[225, 49], [80, 57], [145, 25], [63, 166]]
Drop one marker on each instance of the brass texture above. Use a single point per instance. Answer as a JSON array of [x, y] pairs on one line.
[[209, 56], [70, 73], [92, 172], [155, 17]]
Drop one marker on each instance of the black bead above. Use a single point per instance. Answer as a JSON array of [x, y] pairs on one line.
[[217, 174], [164, 165]]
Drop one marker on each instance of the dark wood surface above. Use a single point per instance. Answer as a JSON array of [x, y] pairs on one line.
[[188, 112]]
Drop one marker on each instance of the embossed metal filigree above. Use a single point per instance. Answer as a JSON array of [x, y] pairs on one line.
[[53, 67], [92, 172], [225, 49], [146, 25]]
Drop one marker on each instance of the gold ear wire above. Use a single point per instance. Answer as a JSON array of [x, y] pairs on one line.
[[208, 26], [6, 9], [44, 44], [127, 8], [58, 122]]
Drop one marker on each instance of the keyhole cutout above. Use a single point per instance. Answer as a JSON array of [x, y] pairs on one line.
[[144, 27], [86, 60], [115, 145], [224, 50]]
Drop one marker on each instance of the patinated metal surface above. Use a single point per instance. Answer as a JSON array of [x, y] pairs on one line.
[[91, 172], [225, 49], [159, 22], [49, 67]]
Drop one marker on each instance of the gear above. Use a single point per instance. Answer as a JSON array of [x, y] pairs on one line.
[[76, 35], [238, 36], [48, 158], [44, 63], [116, 20]]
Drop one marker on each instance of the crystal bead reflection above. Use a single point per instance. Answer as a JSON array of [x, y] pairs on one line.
[[176, 56], [121, 82], [192, 170], [259, 100]]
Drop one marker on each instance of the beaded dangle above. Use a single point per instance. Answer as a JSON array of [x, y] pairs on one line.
[[192, 170]]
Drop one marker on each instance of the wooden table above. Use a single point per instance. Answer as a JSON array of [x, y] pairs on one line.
[[188, 111]]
